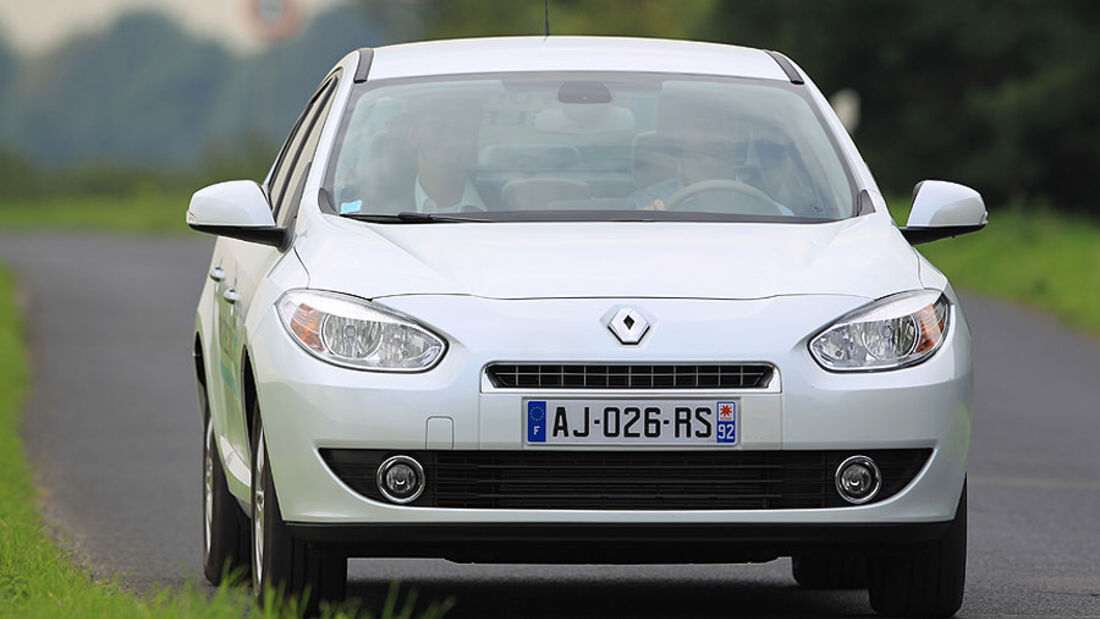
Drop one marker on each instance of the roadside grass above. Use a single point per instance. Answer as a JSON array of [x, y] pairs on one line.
[[152, 212], [1036, 256], [37, 577]]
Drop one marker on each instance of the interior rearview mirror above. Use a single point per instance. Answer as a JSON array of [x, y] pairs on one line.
[[235, 209], [942, 209]]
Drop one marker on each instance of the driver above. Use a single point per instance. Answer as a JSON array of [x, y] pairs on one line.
[[699, 157], [708, 142]]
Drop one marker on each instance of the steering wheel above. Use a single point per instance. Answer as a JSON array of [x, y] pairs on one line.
[[757, 196]]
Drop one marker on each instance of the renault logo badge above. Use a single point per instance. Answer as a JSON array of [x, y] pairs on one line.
[[628, 325]]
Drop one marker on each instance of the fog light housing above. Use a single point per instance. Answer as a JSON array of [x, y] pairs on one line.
[[858, 479], [400, 479]]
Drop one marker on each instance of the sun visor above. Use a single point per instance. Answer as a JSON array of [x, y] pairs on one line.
[[443, 97]]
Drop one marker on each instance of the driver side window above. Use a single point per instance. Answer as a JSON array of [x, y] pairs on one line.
[[285, 165]]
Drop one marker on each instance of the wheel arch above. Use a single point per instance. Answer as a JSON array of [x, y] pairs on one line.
[[250, 403], [199, 358]]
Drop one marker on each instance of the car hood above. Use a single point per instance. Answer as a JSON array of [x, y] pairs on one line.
[[863, 256]]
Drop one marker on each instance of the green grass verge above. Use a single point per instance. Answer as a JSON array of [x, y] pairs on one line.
[[37, 578], [152, 212], [1039, 257]]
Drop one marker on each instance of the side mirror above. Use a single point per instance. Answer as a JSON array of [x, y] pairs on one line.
[[235, 209], [941, 210]]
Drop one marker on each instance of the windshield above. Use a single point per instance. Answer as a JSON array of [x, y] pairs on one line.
[[551, 146]]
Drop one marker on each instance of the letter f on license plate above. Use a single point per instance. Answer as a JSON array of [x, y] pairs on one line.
[[536, 421]]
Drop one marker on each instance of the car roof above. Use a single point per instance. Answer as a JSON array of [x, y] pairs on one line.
[[568, 53]]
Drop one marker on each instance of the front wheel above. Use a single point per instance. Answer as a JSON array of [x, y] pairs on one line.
[[923, 581], [281, 564], [225, 527]]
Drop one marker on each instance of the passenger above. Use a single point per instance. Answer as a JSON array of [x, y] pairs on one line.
[[444, 134]]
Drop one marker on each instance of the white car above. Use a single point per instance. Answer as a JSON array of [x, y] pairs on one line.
[[582, 300]]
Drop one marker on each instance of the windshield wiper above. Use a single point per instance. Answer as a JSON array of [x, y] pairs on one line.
[[414, 218]]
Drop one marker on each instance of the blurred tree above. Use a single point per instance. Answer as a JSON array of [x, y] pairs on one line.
[[247, 154], [997, 94], [467, 18], [18, 178], [138, 92], [146, 92], [8, 72], [266, 92]]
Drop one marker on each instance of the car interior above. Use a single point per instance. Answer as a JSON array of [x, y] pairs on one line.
[[590, 155]]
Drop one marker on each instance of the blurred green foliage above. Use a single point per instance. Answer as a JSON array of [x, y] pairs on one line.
[[151, 210], [654, 18], [144, 91], [23, 182]]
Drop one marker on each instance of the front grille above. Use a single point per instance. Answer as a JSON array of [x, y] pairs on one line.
[[630, 376], [628, 480]]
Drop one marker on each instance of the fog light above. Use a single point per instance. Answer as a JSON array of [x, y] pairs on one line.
[[400, 479], [858, 479]]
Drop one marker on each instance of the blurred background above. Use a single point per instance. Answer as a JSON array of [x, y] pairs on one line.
[[157, 97]]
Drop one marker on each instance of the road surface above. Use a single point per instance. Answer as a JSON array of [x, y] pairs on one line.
[[112, 430]]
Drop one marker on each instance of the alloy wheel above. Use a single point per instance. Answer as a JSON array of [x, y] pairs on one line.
[[208, 489], [258, 514]]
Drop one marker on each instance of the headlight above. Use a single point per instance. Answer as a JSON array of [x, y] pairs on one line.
[[358, 334], [895, 332]]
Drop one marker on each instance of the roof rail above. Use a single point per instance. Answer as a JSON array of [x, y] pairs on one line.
[[785, 64], [366, 56]]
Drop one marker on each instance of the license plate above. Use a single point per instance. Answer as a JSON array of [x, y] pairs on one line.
[[631, 422]]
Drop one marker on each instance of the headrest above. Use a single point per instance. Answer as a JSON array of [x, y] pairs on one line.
[[533, 157]]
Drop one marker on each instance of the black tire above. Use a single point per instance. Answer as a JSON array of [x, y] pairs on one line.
[[830, 571], [225, 528], [922, 581], [288, 567]]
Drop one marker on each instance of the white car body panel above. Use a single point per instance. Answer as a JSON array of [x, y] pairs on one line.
[[571, 53], [537, 291], [647, 259]]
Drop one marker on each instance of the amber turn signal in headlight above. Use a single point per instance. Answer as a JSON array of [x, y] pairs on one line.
[[356, 333], [895, 332]]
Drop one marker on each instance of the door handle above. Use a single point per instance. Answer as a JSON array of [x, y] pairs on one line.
[[231, 295], [217, 274]]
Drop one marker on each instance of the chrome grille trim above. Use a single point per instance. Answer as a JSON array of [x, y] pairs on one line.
[[675, 377]]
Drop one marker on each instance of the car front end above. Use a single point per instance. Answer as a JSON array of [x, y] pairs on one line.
[[485, 479]]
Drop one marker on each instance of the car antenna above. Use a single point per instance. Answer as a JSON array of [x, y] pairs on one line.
[[546, 15]]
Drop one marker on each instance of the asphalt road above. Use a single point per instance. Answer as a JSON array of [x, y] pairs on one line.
[[113, 432]]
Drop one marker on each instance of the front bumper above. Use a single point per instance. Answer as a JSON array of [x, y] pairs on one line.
[[308, 405], [609, 543]]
